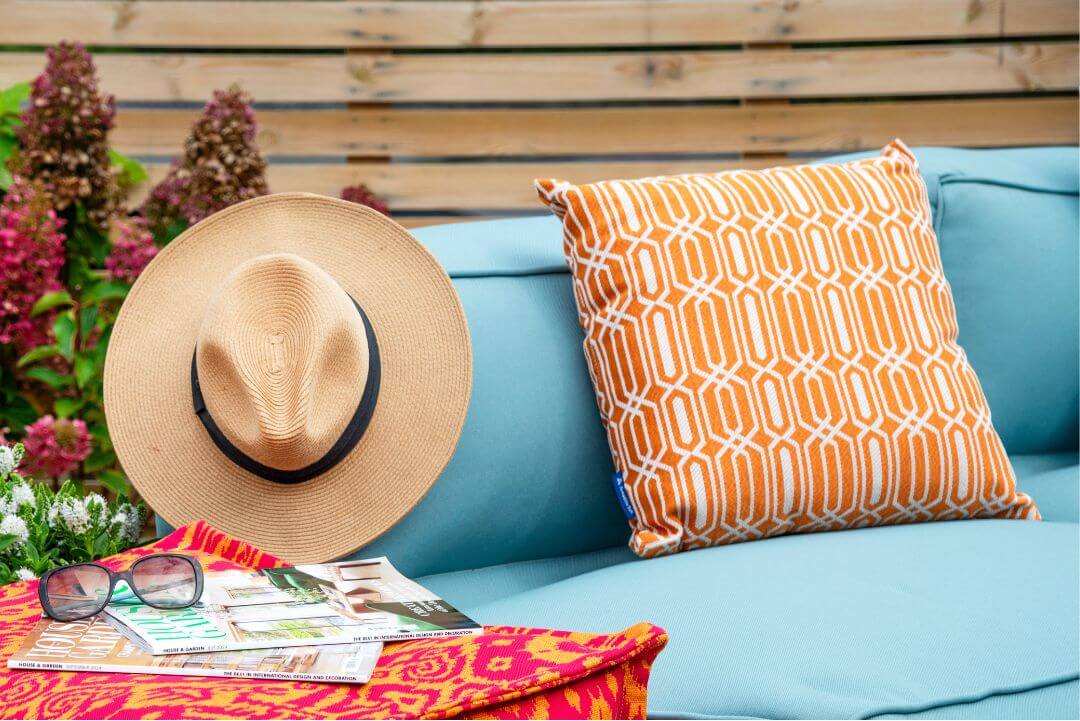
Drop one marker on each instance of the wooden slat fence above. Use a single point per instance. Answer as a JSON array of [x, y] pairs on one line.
[[450, 108]]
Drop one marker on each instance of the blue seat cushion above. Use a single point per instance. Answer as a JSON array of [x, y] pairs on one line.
[[850, 624]]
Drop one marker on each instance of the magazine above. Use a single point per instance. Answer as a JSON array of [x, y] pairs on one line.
[[308, 605], [93, 644]]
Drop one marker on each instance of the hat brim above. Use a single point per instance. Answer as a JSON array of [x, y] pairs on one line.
[[424, 395]]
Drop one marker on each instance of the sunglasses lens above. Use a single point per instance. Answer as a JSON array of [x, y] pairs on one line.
[[165, 581], [77, 592]]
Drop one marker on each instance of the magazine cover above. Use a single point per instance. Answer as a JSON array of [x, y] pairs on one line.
[[331, 603], [93, 644]]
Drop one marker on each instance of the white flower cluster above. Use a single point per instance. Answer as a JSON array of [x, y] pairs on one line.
[[25, 574], [12, 525], [7, 460], [73, 512], [130, 522], [23, 495], [95, 500]]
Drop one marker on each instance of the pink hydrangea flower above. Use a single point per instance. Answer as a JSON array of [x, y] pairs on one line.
[[55, 446], [363, 195], [63, 142], [31, 257], [132, 249], [221, 165]]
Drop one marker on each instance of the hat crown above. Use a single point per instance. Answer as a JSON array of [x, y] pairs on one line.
[[282, 360]]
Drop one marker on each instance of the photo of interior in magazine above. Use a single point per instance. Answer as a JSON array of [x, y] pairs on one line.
[[368, 593]]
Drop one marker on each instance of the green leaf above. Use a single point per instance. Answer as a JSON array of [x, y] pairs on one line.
[[167, 235], [102, 347], [99, 460], [64, 330], [66, 407], [132, 171], [85, 369], [115, 481], [100, 292], [8, 143], [36, 354], [87, 318], [6, 540], [49, 377], [31, 553], [101, 543], [100, 433], [17, 413], [11, 99], [50, 301]]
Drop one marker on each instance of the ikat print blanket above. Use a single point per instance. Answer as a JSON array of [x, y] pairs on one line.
[[505, 673]]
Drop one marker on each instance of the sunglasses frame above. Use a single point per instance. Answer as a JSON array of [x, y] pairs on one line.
[[114, 576]]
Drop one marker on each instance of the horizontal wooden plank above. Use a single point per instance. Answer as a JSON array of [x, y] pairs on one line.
[[517, 23], [523, 77], [484, 186], [1039, 17], [420, 221], [825, 127]]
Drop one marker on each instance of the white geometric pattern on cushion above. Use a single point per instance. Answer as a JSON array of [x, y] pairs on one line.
[[775, 352]]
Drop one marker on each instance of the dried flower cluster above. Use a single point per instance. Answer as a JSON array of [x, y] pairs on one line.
[[132, 250], [63, 142], [31, 256], [363, 195], [221, 166], [55, 446]]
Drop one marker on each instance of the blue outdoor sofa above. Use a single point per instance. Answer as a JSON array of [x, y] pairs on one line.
[[966, 619]]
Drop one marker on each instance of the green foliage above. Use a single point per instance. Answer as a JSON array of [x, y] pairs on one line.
[[129, 172], [11, 100], [42, 529], [163, 235], [64, 376]]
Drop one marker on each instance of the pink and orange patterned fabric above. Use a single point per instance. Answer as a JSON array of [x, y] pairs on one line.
[[505, 673], [776, 352]]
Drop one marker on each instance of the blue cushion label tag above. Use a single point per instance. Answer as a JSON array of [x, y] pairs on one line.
[[624, 498]]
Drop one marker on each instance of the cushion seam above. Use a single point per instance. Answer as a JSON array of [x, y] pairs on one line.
[[956, 701], [949, 178]]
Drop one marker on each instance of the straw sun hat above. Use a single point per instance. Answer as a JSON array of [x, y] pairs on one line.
[[295, 370]]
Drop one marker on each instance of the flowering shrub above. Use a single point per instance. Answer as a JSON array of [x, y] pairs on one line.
[[69, 252], [56, 446], [40, 529], [133, 248], [31, 256], [221, 166], [63, 139], [362, 195]]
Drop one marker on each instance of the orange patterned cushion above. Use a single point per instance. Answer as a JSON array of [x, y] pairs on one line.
[[775, 352], [506, 673]]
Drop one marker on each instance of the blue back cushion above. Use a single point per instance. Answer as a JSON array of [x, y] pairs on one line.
[[531, 477], [531, 474], [1009, 243]]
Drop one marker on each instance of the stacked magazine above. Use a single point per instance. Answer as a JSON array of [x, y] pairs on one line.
[[318, 622]]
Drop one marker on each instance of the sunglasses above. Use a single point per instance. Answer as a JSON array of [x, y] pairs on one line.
[[161, 580]]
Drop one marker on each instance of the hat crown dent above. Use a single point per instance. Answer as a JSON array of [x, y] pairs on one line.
[[282, 359]]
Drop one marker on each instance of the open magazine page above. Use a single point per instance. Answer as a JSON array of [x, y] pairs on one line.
[[349, 601], [93, 644], [387, 605], [264, 619]]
